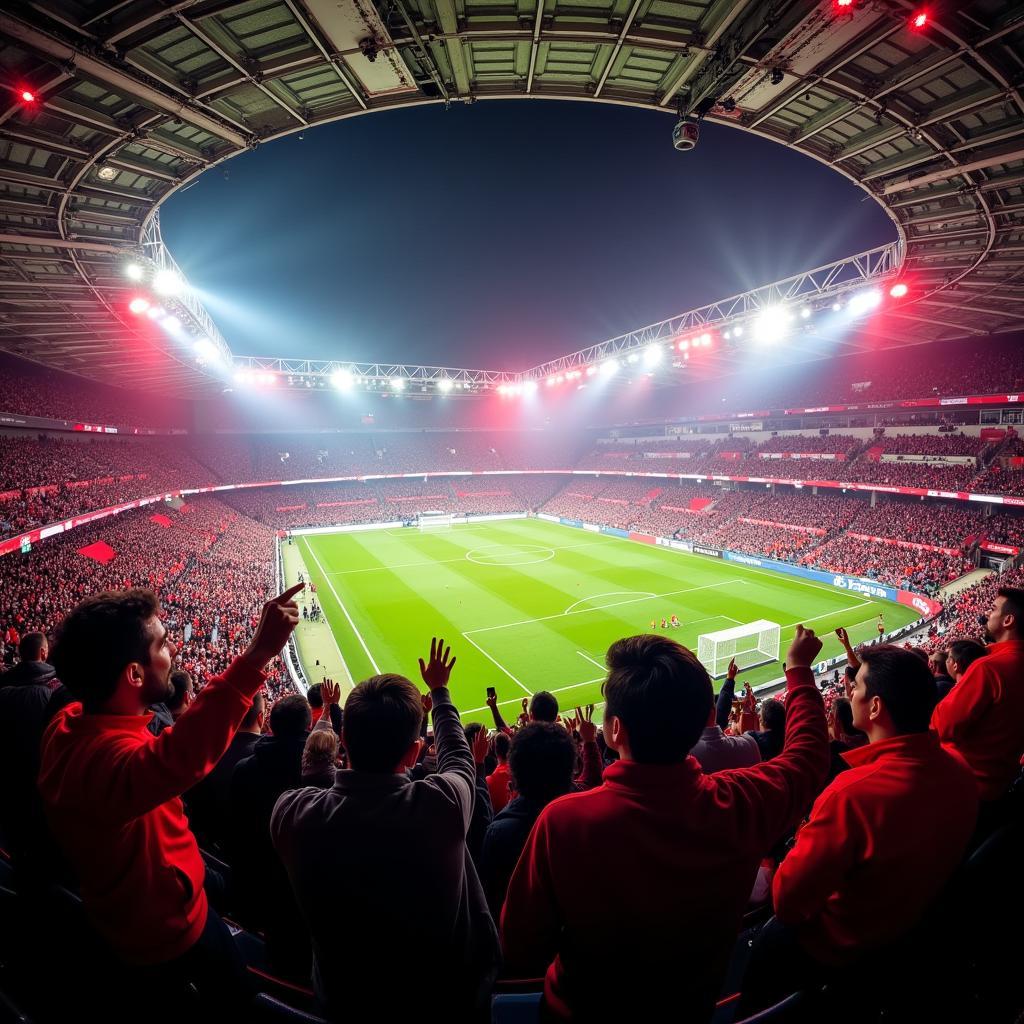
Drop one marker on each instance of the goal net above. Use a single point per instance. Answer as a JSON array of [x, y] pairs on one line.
[[751, 644], [434, 520]]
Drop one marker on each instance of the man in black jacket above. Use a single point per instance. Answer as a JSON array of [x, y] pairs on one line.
[[208, 803], [261, 889], [29, 697], [542, 760]]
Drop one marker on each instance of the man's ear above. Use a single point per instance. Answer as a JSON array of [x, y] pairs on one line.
[[411, 756], [133, 674]]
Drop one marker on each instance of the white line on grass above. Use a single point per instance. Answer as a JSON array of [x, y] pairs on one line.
[[608, 593], [334, 639], [341, 605], [614, 604], [462, 558], [592, 661], [494, 661], [828, 615]]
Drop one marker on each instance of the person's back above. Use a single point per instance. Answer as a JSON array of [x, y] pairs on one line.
[[379, 862], [629, 896], [983, 715]]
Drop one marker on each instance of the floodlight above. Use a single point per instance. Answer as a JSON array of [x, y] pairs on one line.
[[170, 323], [919, 20], [27, 96], [591, 370], [898, 290], [806, 312], [167, 282], [106, 173], [609, 366], [445, 384], [772, 325], [398, 383], [652, 354], [139, 305], [529, 387], [862, 302], [133, 272], [342, 380]]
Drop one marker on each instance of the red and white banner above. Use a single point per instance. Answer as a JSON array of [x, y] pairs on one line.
[[816, 530], [668, 455], [339, 504], [903, 543], [999, 549], [289, 508], [828, 456]]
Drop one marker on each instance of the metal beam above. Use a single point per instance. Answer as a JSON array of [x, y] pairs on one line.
[[616, 49]]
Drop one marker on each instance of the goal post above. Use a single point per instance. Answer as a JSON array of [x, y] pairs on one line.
[[434, 520], [751, 644]]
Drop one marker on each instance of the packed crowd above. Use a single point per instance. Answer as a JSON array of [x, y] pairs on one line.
[[839, 444], [895, 566], [211, 567], [931, 444], [1001, 479], [944, 525], [394, 814]]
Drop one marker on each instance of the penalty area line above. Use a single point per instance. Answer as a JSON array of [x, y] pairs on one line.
[[494, 661]]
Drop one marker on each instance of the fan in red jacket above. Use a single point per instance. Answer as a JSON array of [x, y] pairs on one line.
[[982, 717], [628, 897], [882, 840], [112, 789]]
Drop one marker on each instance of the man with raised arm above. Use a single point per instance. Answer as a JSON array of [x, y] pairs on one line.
[[379, 862], [112, 790], [628, 897]]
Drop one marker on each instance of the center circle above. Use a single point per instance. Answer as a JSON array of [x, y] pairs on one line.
[[510, 554]]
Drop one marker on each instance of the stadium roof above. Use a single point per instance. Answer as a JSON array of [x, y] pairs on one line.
[[129, 101]]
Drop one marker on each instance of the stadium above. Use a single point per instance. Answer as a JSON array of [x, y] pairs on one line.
[[734, 729]]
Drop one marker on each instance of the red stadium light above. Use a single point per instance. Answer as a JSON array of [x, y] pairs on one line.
[[27, 96], [919, 20], [844, 6], [898, 290], [139, 305]]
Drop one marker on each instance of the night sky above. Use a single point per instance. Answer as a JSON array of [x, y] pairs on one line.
[[498, 235]]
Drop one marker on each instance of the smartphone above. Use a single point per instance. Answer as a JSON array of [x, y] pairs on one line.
[[490, 693]]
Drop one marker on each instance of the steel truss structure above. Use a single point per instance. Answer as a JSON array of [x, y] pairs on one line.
[[132, 101]]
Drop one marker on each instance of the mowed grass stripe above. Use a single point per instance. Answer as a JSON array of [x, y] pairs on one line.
[[421, 584]]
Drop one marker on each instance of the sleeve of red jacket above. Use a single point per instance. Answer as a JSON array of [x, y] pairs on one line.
[[826, 849], [770, 797], [593, 769], [144, 777], [954, 716], [530, 921]]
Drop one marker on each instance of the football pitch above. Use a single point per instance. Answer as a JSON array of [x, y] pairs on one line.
[[528, 605]]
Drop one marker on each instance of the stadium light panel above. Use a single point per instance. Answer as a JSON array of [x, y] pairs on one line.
[[652, 355], [863, 302], [609, 366], [898, 290], [445, 384], [772, 325], [919, 20], [684, 344], [591, 370], [398, 383], [738, 332], [133, 272], [342, 380], [139, 305], [551, 382], [27, 96], [156, 312], [166, 282], [530, 387], [633, 357], [171, 324], [806, 312], [107, 173]]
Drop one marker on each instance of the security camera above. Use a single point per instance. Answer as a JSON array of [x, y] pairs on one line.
[[686, 133]]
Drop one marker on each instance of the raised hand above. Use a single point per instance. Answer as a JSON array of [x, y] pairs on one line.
[[844, 637], [480, 742], [278, 620], [733, 669], [438, 669], [427, 701], [585, 723], [803, 649], [331, 692], [492, 702]]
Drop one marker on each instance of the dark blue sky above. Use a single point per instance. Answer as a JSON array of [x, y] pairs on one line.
[[499, 234]]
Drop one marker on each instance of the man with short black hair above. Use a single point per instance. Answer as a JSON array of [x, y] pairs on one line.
[[542, 758], [962, 654], [389, 854], [660, 855], [183, 693], [881, 842], [112, 789], [33, 667], [497, 781], [937, 665], [543, 707], [983, 715], [771, 737]]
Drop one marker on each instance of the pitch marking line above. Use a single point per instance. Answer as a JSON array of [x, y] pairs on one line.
[[460, 558], [610, 593], [341, 605], [334, 639], [494, 661], [828, 615], [614, 604], [592, 661]]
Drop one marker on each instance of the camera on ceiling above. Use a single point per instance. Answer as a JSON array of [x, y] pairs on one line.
[[686, 133]]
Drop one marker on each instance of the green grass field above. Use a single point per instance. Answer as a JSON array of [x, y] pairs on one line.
[[529, 605]]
